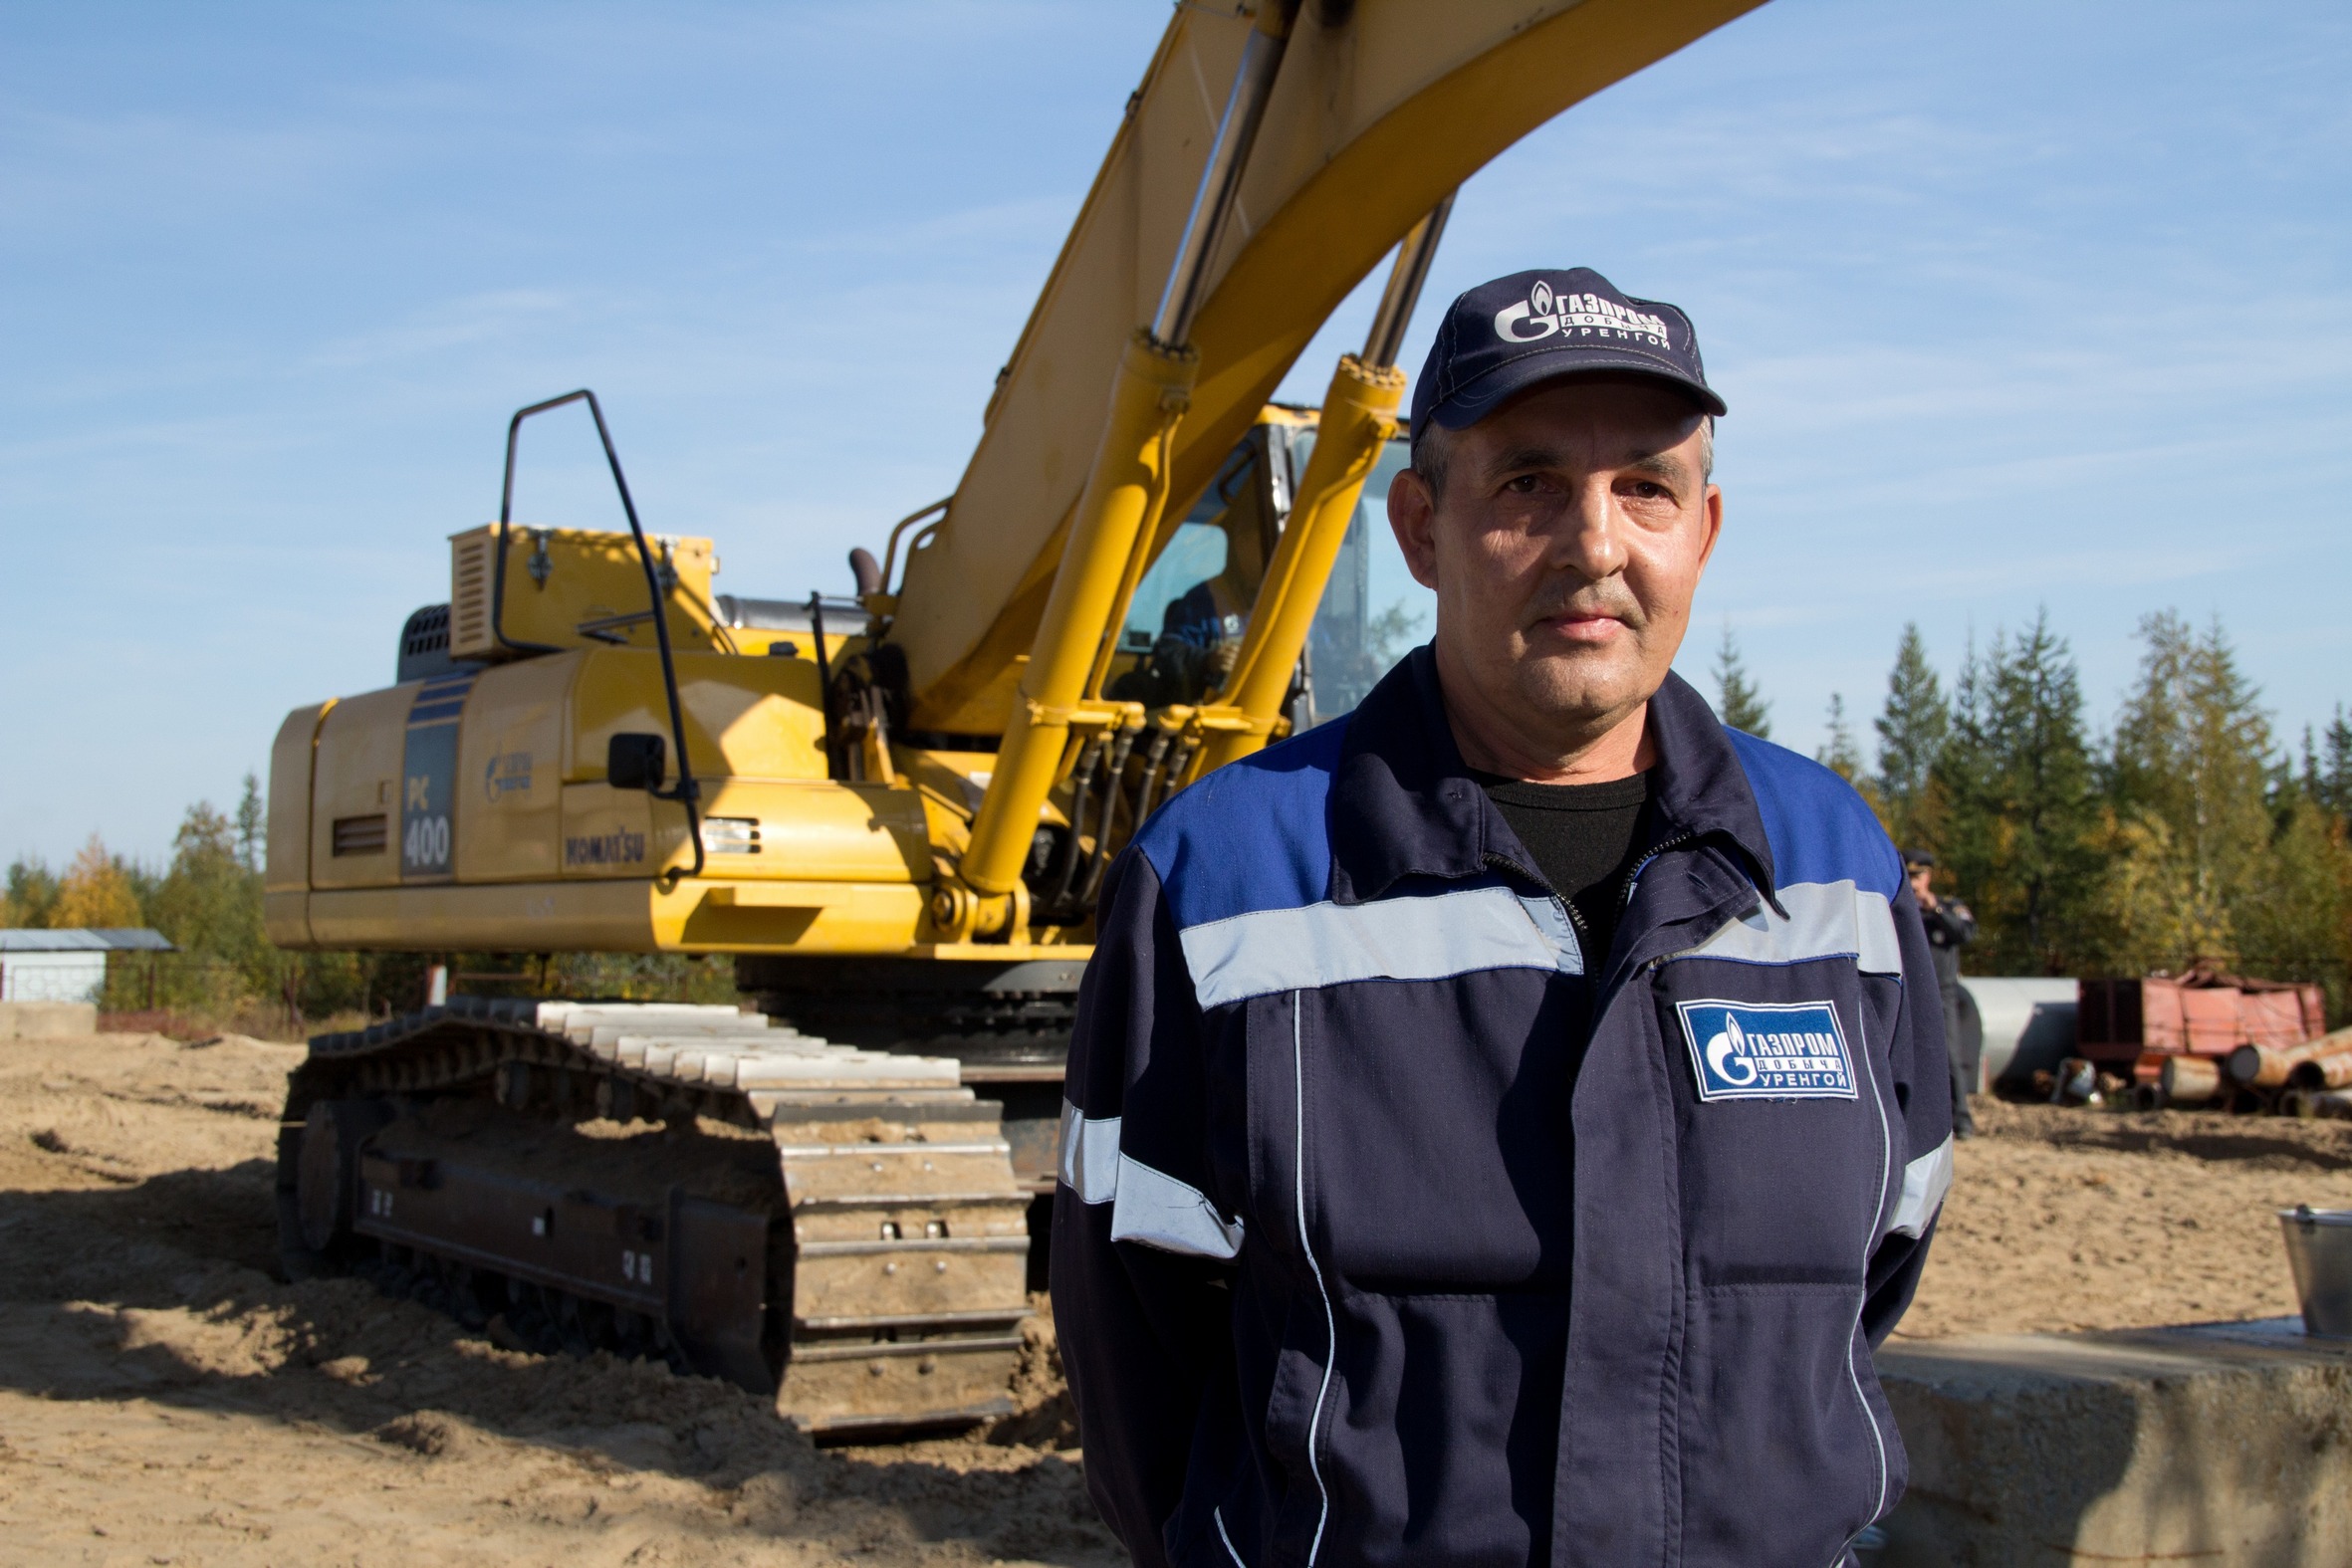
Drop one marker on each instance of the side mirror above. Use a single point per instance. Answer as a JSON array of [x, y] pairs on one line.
[[636, 761]]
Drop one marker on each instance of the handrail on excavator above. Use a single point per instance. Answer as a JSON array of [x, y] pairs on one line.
[[685, 791]]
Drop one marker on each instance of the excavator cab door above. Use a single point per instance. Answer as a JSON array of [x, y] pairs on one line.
[[1186, 620]]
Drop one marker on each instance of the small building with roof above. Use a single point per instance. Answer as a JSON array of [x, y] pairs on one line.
[[67, 966]]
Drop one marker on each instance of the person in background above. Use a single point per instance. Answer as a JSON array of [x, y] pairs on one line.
[[1949, 927]]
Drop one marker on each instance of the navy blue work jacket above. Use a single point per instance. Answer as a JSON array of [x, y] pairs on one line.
[[1332, 1286]]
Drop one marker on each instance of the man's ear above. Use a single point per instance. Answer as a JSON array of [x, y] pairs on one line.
[[1711, 507], [1412, 516]]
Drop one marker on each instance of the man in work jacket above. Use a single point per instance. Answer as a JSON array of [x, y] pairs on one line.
[[1501, 1122]]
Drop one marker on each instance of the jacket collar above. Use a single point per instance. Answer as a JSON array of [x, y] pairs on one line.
[[1403, 804]]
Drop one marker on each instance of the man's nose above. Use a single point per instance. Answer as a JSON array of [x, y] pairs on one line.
[[1591, 540]]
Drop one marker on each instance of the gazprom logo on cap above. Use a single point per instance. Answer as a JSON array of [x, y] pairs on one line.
[[1755, 1050], [1544, 312]]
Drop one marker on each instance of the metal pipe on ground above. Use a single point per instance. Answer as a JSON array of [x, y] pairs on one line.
[[2331, 1071], [2329, 1104], [2025, 1026], [2191, 1080], [2269, 1066]]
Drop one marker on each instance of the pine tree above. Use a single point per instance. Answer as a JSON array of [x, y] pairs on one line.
[[1739, 704], [2327, 767], [1912, 729], [2336, 763], [1838, 752], [32, 894], [209, 905], [2298, 923], [2193, 749], [2017, 777], [252, 826]]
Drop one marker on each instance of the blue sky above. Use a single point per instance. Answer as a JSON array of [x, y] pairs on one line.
[[2015, 305]]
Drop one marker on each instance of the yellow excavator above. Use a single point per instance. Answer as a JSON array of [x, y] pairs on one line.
[[896, 810]]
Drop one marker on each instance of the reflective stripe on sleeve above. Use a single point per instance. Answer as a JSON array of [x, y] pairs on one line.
[[1147, 1206], [1157, 1210], [1090, 1155], [1925, 1182]]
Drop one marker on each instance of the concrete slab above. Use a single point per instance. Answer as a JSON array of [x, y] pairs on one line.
[[46, 1020], [2214, 1445]]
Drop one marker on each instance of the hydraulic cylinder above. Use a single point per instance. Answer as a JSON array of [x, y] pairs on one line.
[[1359, 414], [1126, 490]]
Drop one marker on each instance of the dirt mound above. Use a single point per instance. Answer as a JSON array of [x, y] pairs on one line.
[[165, 1399]]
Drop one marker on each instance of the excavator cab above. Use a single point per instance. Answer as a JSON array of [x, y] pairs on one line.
[[1191, 610]]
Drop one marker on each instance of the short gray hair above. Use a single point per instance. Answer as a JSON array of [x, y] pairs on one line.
[[1432, 443]]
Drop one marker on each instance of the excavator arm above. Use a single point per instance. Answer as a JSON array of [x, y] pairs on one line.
[[1378, 111]]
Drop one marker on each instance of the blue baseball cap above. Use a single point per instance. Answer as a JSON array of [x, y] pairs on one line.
[[1504, 336]]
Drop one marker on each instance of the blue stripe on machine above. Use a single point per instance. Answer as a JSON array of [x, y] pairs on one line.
[[1825, 920], [1415, 938], [421, 714]]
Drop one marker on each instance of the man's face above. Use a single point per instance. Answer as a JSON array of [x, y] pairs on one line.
[[1565, 549]]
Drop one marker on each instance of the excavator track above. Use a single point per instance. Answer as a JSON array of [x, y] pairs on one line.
[[838, 1228]]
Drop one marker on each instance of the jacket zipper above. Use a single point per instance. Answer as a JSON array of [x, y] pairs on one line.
[[1681, 840], [1574, 919]]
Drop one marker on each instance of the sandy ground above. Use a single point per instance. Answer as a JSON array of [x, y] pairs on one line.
[[2066, 1219], [162, 1400]]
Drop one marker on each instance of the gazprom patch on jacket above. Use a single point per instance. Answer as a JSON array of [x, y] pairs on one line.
[[1768, 1050]]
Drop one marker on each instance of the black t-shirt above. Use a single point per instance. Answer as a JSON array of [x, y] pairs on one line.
[[1584, 840]]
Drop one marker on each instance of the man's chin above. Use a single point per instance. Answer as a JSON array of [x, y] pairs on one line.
[[1587, 691]]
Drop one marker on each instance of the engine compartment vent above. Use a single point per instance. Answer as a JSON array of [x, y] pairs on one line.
[[363, 835], [472, 556], [424, 646]]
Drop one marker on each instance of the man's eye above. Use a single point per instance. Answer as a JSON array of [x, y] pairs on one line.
[[1647, 490], [1525, 485]]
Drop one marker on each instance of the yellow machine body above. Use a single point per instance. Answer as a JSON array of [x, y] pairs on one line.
[[545, 855], [571, 588], [1005, 631], [469, 810]]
